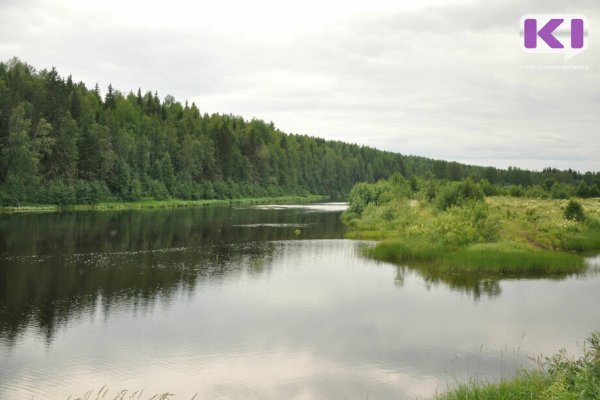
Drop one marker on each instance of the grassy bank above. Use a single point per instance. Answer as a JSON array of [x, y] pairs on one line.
[[457, 229], [503, 257], [559, 377], [155, 204]]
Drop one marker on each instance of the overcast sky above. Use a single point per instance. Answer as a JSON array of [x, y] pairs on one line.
[[435, 78]]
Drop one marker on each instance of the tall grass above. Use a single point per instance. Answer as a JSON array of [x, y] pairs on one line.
[[585, 241], [502, 257], [525, 385], [558, 377], [505, 257]]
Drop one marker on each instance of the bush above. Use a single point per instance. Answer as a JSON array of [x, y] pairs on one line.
[[463, 225], [157, 190], [560, 191], [457, 194], [516, 191], [59, 193], [360, 196], [91, 192], [488, 188], [574, 211]]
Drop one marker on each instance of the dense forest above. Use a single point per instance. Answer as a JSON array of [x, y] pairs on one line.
[[63, 143]]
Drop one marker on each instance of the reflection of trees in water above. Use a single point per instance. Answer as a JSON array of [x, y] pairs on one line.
[[86, 232], [474, 284], [54, 267], [47, 293]]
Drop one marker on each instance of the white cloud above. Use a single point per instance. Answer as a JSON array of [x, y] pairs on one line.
[[436, 78]]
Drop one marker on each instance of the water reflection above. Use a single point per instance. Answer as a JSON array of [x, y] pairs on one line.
[[475, 285], [222, 303], [54, 267], [48, 291], [101, 232]]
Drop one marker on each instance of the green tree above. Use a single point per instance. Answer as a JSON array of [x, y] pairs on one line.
[[96, 154], [20, 156]]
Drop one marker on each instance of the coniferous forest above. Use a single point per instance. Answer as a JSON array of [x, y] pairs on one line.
[[64, 143]]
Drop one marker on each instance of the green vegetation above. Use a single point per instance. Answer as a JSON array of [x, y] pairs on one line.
[[574, 211], [172, 203], [65, 144], [454, 227], [558, 377], [501, 257]]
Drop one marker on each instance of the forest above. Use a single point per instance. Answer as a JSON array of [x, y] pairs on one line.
[[64, 143]]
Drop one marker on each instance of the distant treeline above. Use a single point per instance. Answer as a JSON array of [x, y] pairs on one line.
[[62, 143]]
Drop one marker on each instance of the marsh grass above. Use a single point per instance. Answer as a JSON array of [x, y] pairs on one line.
[[581, 242], [525, 385], [503, 257], [507, 258], [559, 377]]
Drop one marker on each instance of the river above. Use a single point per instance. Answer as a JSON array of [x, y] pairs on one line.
[[265, 302]]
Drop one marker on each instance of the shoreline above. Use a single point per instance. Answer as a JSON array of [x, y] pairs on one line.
[[497, 235], [159, 204]]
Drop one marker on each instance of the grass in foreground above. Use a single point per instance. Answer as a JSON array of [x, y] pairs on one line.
[[155, 204], [559, 377]]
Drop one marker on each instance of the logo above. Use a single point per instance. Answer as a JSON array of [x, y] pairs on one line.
[[554, 33]]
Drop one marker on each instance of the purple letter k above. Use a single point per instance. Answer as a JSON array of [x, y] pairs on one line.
[[531, 33]]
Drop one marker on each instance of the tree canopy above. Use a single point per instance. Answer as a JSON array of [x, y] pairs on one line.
[[62, 143]]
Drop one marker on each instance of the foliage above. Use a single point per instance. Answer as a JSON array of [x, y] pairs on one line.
[[459, 230], [463, 225], [574, 211], [55, 134], [458, 194], [63, 143]]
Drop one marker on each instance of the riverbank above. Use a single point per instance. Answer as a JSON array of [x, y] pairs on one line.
[[472, 233], [558, 377], [156, 204]]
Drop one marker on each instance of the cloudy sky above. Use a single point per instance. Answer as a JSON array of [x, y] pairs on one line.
[[436, 78]]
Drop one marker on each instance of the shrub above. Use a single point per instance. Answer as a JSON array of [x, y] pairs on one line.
[[91, 192], [457, 194], [59, 193], [360, 196], [463, 225], [488, 188], [516, 191], [158, 190], [574, 211], [560, 191]]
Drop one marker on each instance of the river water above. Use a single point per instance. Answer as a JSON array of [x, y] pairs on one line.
[[266, 302]]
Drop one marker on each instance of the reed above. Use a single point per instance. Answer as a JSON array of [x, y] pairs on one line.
[[558, 377]]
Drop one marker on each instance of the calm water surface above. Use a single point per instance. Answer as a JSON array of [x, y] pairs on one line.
[[235, 303]]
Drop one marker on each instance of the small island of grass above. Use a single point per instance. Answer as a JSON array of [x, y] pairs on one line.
[[455, 227]]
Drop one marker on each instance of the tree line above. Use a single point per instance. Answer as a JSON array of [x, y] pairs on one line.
[[64, 143]]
